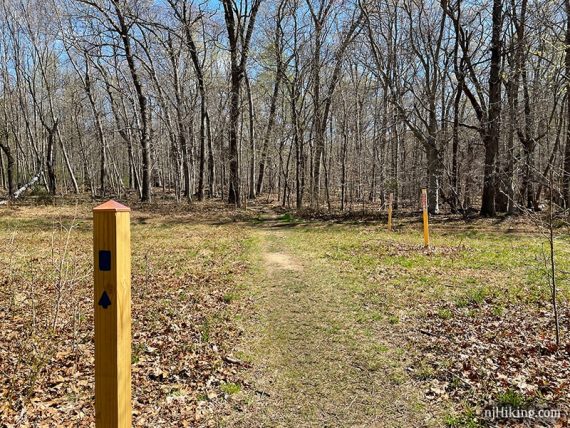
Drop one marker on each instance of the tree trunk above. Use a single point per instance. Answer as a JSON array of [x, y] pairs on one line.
[[25, 187], [344, 151], [205, 131], [100, 133], [512, 89], [455, 184], [269, 129], [237, 31], [68, 163], [211, 164], [318, 129], [234, 184], [10, 167], [492, 127], [50, 161], [251, 183], [202, 161], [566, 176], [435, 173], [142, 103]]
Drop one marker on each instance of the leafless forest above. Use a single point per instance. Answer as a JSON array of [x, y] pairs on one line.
[[325, 104]]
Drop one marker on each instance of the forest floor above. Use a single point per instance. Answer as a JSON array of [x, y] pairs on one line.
[[265, 318]]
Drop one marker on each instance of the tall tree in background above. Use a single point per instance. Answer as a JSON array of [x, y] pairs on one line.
[[120, 20], [183, 13], [487, 108], [566, 174], [279, 71], [240, 21], [322, 104], [492, 121], [5, 146]]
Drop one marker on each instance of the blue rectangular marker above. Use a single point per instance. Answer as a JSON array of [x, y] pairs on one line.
[[104, 260]]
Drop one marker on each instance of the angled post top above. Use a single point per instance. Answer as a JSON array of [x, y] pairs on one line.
[[113, 206]]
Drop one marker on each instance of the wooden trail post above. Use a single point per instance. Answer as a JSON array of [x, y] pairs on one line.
[[390, 202], [112, 276], [425, 218]]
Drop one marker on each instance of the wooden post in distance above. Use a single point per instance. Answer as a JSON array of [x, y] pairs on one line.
[[390, 202], [425, 218], [112, 294]]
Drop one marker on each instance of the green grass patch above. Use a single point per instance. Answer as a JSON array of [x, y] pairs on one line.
[[230, 388], [287, 218], [230, 297], [467, 419], [472, 297], [393, 319], [511, 398]]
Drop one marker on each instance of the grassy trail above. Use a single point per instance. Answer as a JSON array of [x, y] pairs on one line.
[[342, 323], [315, 362]]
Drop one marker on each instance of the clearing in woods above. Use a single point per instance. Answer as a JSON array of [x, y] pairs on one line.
[[254, 318]]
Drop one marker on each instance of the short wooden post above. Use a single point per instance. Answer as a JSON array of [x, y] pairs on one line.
[[390, 202], [425, 217], [112, 276]]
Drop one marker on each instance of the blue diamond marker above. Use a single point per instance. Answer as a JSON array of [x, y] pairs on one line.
[[104, 301]]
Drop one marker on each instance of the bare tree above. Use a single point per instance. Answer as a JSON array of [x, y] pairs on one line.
[[240, 21]]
